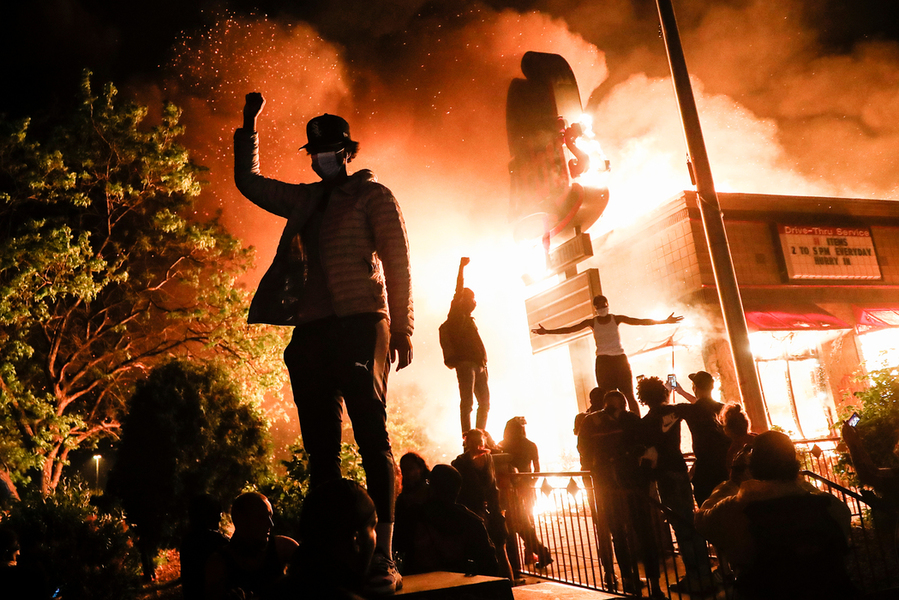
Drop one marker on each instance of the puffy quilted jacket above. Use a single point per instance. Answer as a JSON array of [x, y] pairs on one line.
[[364, 248]]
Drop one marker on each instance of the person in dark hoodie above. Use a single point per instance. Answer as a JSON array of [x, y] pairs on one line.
[[463, 350]]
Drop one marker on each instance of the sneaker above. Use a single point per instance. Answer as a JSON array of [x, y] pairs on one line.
[[383, 577], [633, 587]]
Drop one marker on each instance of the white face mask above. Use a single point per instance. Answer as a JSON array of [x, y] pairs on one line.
[[328, 164], [602, 312]]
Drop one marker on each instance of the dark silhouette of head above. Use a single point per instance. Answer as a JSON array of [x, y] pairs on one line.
[[329, 133], [702, 381], [466, 302], [652, 392], [597, 397], [337, 531], [251, 514], [614, 402], [735, 422], [445, 483], [600, 302], [414, 469], [474, 439], [773, 457], [515, 429], [204, 512]]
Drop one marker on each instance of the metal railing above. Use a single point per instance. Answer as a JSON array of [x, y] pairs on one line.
[[586, 534], [873, 562], [820, 456], [563, 529]]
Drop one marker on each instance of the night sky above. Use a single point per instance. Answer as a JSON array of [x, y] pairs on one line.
[[46, 43]]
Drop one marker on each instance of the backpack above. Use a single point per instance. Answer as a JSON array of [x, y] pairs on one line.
[[446, 345]]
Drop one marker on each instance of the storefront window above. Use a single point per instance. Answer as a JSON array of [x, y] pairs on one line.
[[792, 396], [790, 375], [880, 348]]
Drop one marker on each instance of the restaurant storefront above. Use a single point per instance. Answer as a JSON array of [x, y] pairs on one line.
[[819, 278]]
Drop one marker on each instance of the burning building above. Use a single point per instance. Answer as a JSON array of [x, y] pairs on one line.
[[819, 278]]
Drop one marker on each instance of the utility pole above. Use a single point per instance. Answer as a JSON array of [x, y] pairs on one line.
[[713, 224]]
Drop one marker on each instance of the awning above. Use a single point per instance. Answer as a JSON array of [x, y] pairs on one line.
[[792, 317], [877, 317]]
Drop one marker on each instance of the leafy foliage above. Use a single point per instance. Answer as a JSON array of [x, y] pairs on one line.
[[85, 553], [103, 274], [878, 407], [187, 433], [406, 423]]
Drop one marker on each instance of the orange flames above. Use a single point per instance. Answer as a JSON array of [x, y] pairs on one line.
[[427, 104]]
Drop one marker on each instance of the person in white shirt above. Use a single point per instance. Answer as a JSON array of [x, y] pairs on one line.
[[613, 371]]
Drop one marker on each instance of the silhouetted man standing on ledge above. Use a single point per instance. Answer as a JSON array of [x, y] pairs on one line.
[[464, 351], [613, 371], [341, 278]]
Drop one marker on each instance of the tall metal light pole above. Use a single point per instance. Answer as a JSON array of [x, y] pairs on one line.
[[713, 224], [97, 458]]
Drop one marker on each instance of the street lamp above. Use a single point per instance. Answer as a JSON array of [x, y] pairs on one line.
[[97, 458]]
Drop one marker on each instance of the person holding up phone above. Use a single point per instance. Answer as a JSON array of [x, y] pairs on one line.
[[884, 480], [613, 371], [710, 442]]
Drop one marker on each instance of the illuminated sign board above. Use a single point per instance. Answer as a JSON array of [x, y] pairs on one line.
[[828, 252], [567, 303], [571, 253]]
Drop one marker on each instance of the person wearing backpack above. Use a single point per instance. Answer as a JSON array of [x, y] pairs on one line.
[[464, 351]]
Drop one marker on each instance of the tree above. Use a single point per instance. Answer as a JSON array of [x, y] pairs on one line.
[[187, 432], [103, 274]]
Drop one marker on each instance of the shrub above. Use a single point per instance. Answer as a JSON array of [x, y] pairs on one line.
[[188, 432], [878, 407], [82, 551]]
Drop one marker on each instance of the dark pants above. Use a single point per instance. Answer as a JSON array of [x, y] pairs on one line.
[[675, 493], [707, 475], [613, 372], [473, 384], [344, 357]]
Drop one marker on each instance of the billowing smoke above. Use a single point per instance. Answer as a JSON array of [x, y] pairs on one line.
[[424, 92]]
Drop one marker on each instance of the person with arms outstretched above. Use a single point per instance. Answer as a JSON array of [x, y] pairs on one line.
[[464, 351], [613, 371], [341, 279]]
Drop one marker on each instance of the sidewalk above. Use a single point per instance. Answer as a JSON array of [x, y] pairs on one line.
[[551, 590], [442, 585]]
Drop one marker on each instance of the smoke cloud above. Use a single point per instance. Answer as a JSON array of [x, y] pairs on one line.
[[424, 86]]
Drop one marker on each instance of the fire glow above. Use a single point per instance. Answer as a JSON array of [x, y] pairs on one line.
[[430, 121]]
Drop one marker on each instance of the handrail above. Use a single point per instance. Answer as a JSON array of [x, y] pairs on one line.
[[880, 504], [552, 474], [669, 512], [582, 545], [833, 484]]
